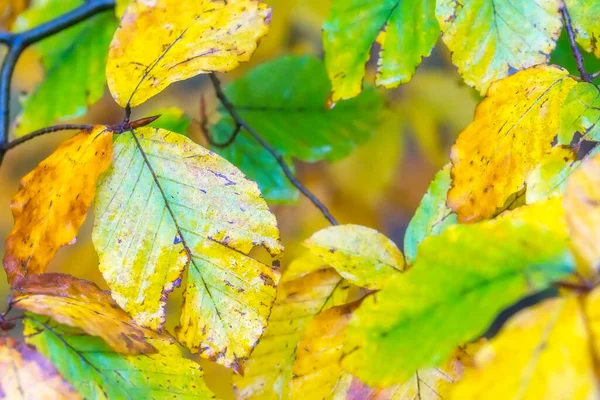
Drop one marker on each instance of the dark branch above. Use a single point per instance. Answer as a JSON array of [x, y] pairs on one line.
[[205, 131], [576, 53], [67, 127], [286, 170]]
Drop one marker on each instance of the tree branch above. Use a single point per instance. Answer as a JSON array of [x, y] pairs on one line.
[[67, 127], [572, 41], [286, 170], [17, 42]]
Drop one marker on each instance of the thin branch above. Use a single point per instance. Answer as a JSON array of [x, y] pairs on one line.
[[56, 128], [576, 53], [286, 170], [203, 123]]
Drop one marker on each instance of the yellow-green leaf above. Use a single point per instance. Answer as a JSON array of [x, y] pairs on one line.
[[165, 41], [51, 205], [580, 114], [513, 131], [81, 304], [361, 255], [549, 178], [489, 39], [27, 375], [167, 203], [542, 353], [584, 16]]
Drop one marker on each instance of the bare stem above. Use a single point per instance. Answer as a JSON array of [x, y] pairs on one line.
[[576, 53]]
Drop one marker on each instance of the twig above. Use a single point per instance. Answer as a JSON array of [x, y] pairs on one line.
[[50, 129], [576, 53], [205, 131], [286, 170]]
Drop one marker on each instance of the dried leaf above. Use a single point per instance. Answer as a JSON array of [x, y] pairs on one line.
[[50, 206], [165, 41], [81, 304]]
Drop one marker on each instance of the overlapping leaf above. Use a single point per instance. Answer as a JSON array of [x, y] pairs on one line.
[[81, 304], [268, 373], [584, 15], [416, 322], [361, 255], [74, 61], [167, 203], [165, 41], [512, 133], [50, 205], [99, 373], [580, 114], [406, 30], [489, 39], [549, 178], [27, 375]]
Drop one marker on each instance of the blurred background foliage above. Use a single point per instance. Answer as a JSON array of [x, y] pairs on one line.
[[379, 184]]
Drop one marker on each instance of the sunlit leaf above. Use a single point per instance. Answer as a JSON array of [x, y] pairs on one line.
[[542, 353], [563, 56], [302, 266], [511, 134], [165, 41], [549, 178], [172, 119], [490, 39], [268, 372], [352, 28], [361, 255], [27, 375], [99, 373], [450, 297], [167, 203], [584, 16], [81, 304], [580, 114], [50, 206], [548, 214]]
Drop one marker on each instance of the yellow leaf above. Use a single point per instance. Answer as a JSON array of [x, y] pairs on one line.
[[302, 266], [548, 213], [582, 207], [27, 375], [160, 42], [548, 179], [362, 255], [81, 304], [268, 372], [52, 202], [543, 352], [592, 311], [512, 132]]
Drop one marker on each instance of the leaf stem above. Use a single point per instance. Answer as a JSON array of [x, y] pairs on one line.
[[280, 160], [576, 53]]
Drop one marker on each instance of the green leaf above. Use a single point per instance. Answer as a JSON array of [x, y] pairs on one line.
[[97, 372], [407, 31], [172, 119], [563, 56], [433, 215], [584, 16], [490, 39], [549, 178], [459, 283], [580, 114], [74, 61]]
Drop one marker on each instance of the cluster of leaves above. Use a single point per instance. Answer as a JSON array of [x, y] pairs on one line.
[[514, 214]]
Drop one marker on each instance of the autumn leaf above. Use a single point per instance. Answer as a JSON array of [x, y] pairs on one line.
[[581, 201], [99, 373], [548, 214], [538, 348], [27, 375], [510, 136], [268, 372], [50, 206], [165, 41], [490, 39], [432, 217], [563, 56], [81, 304], [74, 62], [584, 16], [580, 114], [549, 178], [302, 266], [450, 297], [352, 28], [167, 203], [361, 255], [172, 119]]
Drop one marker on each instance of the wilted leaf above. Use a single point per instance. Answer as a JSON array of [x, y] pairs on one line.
[[584, 16], [582, 207], [317, 371], [267, 374], [489, 39], [512, 132], [549, 178], [81, 304], [99, 373], [432, 215], [27, 375], [361, 255], [542, 353], [165, 41], [50, 205], [450, 297], [352, 28], [166, 203], [74, 61], [580, 114]]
